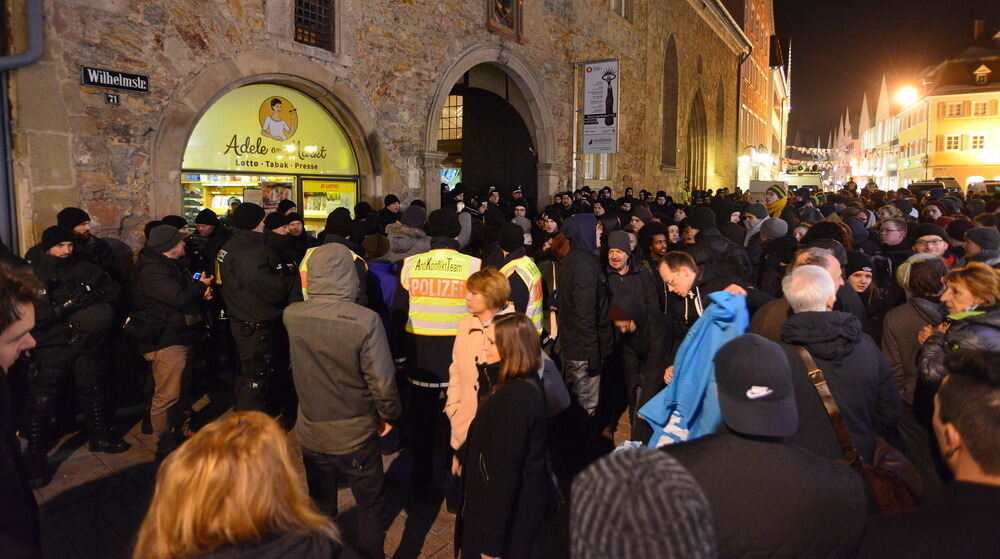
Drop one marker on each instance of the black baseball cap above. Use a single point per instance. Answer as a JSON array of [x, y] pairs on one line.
[[754, 382]]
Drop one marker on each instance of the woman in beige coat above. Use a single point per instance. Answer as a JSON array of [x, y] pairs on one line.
[[487, 292]]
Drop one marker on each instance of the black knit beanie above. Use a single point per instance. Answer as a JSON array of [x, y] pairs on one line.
[[71, 217], [275, 220], [443, 223], [339, 223], [510, 237], [285, 205], [175, 221], [207, 217], [247, 216], [55, 235], [702, 218]]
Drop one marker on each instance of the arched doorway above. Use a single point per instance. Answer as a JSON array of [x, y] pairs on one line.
[[495, 69], [486, 140], [697, 144]]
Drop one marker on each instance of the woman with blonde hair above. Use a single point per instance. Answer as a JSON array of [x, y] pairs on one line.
[[232, 491], [971, 295], [505, 473]]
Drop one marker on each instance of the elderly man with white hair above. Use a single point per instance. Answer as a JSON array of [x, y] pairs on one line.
[[855, 371]]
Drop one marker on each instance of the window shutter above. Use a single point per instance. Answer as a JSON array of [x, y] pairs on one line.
[[964, 142], [942, 107], [993, 107], [939, 143], [966, 108]]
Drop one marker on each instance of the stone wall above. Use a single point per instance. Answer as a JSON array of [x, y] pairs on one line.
[[385, 81]]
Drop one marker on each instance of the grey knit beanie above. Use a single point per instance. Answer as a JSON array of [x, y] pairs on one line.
[[638, 504], [774, 227]]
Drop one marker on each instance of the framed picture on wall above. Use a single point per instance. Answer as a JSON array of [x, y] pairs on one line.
[[506, 18]]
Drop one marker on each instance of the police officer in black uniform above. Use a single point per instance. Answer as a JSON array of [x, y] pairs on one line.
[[73, 319], [256, 287]]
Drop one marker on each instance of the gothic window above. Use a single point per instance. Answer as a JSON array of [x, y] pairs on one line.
[[314, 23], [622, 8], [668, 143], [720, 126]]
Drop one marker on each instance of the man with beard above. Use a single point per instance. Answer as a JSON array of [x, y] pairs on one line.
[[74, 318]]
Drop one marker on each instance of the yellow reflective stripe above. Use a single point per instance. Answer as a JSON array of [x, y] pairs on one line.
[[303, 268], [526, 269]]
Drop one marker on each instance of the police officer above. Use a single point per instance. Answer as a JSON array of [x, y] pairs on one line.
[[426, 311], [73, 319], [523, 275], [256, 288]]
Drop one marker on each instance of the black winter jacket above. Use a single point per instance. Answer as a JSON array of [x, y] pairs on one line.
[[976, 331], [285, 546], [255, 287], [770, 498], [504, 471], [167, 296], [857, 375], [78, 297], [585, 332], [718, 257], [19, 530]]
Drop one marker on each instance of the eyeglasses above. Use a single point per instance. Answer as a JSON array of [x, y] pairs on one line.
[[928, 243]]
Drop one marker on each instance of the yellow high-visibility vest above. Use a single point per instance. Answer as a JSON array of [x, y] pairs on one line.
[[304, 268], [526, 269], [435, 281]]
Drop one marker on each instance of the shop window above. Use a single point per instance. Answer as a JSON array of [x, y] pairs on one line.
[[954, 110], [952, 142], [451, 119], [314, 23], [979, 108], [978, 141]]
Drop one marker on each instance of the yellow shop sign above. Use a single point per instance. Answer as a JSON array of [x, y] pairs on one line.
[[269, 128]]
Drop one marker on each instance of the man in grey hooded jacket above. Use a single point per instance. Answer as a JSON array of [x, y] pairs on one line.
[[345, 380]]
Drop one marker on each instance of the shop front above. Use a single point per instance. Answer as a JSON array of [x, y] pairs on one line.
[[266, 143]]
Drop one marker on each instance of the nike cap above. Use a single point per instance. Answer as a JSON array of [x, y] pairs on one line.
[[754, 382]]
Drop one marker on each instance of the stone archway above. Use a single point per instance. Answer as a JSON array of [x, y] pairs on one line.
[[186, 108], [530, 84]]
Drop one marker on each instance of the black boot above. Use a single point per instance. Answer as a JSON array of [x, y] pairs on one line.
[[102, 439], [37, 430]]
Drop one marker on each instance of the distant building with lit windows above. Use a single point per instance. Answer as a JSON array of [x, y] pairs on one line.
[[954, 129]]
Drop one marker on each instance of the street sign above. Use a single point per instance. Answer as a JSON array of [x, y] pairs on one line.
[[112, 79]]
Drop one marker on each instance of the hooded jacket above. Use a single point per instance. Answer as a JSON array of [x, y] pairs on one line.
[[405, 241], [857, 375], [584, 328], [652, 348], [341, 362]]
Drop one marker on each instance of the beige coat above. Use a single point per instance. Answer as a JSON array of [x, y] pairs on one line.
[[463, 376]]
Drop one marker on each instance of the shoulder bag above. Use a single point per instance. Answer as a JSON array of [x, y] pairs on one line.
[[892, 479]]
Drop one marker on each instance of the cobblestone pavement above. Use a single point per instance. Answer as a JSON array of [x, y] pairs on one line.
[[95, 503]]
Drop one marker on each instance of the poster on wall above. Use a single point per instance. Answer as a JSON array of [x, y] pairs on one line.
[[600, 106], [274, 193]]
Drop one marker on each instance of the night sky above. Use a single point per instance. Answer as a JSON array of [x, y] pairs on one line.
[[841, 49]]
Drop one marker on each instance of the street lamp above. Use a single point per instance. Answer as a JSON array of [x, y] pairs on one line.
[[907, 96]]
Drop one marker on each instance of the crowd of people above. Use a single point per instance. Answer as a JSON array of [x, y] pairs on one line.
[[780, 361]]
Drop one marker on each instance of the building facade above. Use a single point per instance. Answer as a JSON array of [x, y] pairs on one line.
[[336, 101], [765, 93], [954, 130]]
